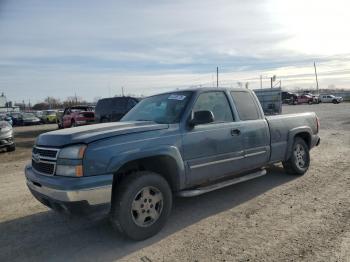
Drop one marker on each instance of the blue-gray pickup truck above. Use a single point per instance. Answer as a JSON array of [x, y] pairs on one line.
[[181, 143]]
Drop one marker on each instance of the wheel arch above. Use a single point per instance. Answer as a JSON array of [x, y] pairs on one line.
[[302, 132], [167, 162]]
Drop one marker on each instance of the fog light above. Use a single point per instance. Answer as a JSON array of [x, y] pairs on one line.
[[73, 171]]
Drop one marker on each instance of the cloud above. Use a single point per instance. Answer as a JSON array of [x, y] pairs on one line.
[[88, 46]]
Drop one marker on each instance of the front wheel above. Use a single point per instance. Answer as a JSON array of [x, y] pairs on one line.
[[141, 205], [298, 163]]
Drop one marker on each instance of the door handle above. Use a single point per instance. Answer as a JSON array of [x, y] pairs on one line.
[[235, 132]]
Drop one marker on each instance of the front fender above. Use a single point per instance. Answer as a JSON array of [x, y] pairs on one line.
[[125, 157]]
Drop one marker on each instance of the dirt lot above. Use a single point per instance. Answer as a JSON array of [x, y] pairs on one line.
[[277, 217]]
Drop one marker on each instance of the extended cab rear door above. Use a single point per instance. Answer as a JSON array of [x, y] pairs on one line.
[[255, 130]]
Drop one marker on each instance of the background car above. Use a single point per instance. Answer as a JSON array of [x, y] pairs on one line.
[[17, 118], [305, 99], [114, 108], [331, 99], [289, 98], [6, 136], [77, 116], [49, 116], [30, 119], [6, 118]]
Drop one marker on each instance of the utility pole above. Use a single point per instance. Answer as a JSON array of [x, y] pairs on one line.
[[217, 77], [316, 78], [260, 81], [271, 81], [122, 90]]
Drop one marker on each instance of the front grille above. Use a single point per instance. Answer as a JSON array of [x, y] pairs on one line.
[[44, 167], [44, 160], [51, 153], [88, 114]]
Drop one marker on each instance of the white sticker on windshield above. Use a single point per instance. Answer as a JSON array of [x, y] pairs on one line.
[[177, 97]]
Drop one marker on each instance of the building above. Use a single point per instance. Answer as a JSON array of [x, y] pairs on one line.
[[2, 100], [6, 106]]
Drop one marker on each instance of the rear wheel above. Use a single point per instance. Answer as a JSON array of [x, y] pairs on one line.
[[141, 205], [299, 161]]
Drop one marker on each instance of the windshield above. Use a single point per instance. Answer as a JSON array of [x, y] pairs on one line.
[[162, 109]]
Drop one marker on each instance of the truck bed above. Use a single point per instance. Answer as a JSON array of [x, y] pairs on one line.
[[282, 128]]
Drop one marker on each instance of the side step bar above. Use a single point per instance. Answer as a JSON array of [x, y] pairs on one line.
[[206, 189]]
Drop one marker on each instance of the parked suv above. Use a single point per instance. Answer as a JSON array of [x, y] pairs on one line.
[[114, 108], [77, 116]]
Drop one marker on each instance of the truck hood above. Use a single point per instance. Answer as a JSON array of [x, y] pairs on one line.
[[90, 133]]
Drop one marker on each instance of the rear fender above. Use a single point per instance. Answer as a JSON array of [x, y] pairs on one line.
[[295, 132]]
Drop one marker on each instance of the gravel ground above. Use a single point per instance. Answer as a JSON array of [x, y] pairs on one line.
[[277, 217]]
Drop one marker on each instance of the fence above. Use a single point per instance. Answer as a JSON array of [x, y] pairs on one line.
[[270, 100]]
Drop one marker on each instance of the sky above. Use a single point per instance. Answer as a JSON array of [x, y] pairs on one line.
[[94, 48]]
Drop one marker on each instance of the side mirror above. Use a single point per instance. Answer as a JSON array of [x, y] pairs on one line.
[[201, 117]]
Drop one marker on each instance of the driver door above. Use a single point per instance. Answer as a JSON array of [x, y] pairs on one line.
[[212, 150]]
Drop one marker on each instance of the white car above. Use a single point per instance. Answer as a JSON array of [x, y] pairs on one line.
[[6, 136], [331, 99]]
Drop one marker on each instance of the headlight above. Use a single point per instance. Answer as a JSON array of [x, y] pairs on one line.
[[69, 162], [72, 152]]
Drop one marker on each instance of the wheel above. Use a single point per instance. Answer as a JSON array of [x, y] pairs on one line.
[[335, 101], [309, 102], [299, 161], [11, 148], [73, 124], [141, 205]]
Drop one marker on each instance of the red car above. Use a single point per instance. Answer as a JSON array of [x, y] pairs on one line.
[[305, 99], [77, 116]]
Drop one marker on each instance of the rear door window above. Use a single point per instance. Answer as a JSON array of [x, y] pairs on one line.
[[217, 103], [246, 107]]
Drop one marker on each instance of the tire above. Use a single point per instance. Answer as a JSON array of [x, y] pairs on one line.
[[309, 102], [73, 124], [299, 161], [11, 148], [129, 202], [335, 101]]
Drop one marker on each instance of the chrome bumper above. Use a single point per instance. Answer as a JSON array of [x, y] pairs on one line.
[[94, 196], [94, 190]]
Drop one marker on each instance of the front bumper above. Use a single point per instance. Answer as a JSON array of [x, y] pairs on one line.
[[6, 140], [67, 192], [85, 121]]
